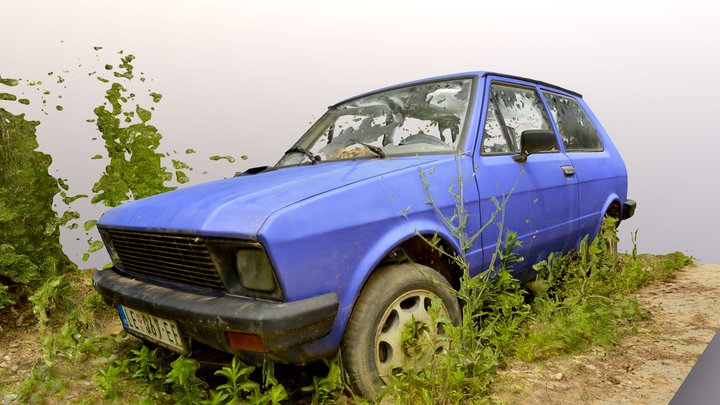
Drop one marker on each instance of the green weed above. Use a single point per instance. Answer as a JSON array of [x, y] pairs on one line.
[[5, 298], [582, 298], [109, 378], [240, 389], [493, 313], [664, 267], [186, 387], [30, 250], [148, 365], [66, 307], [579, 299], [326, 390], [42, 383]]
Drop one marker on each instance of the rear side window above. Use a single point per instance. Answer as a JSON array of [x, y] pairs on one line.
[[511, 110], [576, 130]]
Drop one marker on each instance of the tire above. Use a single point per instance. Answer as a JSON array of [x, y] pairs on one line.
[[393, 296]]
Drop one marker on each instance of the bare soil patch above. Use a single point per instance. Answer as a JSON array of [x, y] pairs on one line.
[[647, 367], [19, 351]]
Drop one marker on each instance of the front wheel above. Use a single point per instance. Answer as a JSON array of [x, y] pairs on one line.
[[393, 325]]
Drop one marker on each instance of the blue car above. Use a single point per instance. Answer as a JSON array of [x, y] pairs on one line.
[[328, 249]]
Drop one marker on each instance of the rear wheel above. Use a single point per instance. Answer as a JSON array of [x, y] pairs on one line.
[[394, 326]]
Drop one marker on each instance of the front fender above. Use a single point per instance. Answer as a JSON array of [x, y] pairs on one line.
[[383, 246]]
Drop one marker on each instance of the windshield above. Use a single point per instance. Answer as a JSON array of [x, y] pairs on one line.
[[424, 118]]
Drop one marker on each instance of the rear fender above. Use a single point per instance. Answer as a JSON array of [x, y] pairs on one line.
[[612, 198]]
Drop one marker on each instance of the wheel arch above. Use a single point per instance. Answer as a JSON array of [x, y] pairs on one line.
[[417, 249], [383, 251], [612, 207]]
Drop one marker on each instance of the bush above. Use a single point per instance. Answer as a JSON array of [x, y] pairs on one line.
[[30, 250]]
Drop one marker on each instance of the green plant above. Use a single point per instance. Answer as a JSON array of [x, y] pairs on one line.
[[148, 366], [276, 392], [30, 385], [5, 298], [663, 267], [238, 381], [240, 389], [326, 390], [108, 379], [66, 307], [186, 387], [493, 315], [493, 312], [581, 298], [49, 297], [30, 250]]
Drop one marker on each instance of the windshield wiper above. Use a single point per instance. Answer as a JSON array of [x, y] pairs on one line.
[[374, 149], [299, 149]]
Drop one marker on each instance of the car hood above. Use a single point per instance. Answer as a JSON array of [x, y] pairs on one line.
[[238, 207]]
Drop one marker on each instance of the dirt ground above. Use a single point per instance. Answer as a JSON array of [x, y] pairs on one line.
[[647, 368], [19, 349]]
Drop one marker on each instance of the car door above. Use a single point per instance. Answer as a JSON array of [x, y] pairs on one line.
[[596, 163], [538, 198]]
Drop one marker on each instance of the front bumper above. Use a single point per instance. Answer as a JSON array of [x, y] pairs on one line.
[[205, 318]]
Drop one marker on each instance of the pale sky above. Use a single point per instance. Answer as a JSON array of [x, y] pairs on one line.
[[246, 78]]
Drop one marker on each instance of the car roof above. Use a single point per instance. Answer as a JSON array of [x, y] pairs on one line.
[[462, 75]]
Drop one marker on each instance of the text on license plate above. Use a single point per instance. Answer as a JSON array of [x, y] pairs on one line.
[[159, 330]]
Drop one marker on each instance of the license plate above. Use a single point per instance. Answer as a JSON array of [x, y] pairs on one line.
[[162, 331]]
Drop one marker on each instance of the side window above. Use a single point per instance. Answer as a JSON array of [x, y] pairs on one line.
[[511, 110], [576, 130]]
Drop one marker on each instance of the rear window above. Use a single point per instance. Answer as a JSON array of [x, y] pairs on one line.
[[577, 132]]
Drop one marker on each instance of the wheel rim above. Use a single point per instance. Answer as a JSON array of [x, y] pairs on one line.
[[409, 313]]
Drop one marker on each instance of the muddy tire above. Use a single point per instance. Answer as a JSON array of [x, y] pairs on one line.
[[394, 298]]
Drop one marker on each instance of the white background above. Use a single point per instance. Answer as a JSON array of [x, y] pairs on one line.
[[246, 78]]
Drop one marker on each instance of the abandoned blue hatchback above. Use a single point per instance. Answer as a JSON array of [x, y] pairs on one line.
[[327, 250]]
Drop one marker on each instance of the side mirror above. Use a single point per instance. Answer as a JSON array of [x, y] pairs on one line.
[[534, 141]]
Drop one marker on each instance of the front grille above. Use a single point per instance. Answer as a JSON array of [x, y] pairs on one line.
[[175, 258]]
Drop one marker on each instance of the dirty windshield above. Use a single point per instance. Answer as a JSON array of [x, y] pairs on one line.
[[425, 118]]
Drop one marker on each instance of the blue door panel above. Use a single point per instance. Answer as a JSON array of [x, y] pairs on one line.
[[542, 206], [598, 173]]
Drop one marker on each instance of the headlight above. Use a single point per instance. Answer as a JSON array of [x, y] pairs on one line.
[[254, 270]]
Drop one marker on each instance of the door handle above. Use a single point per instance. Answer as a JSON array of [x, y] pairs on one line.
[[568, 170]]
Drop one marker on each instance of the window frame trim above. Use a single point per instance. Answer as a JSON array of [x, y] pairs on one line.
[[557, 127], [512, 82]]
